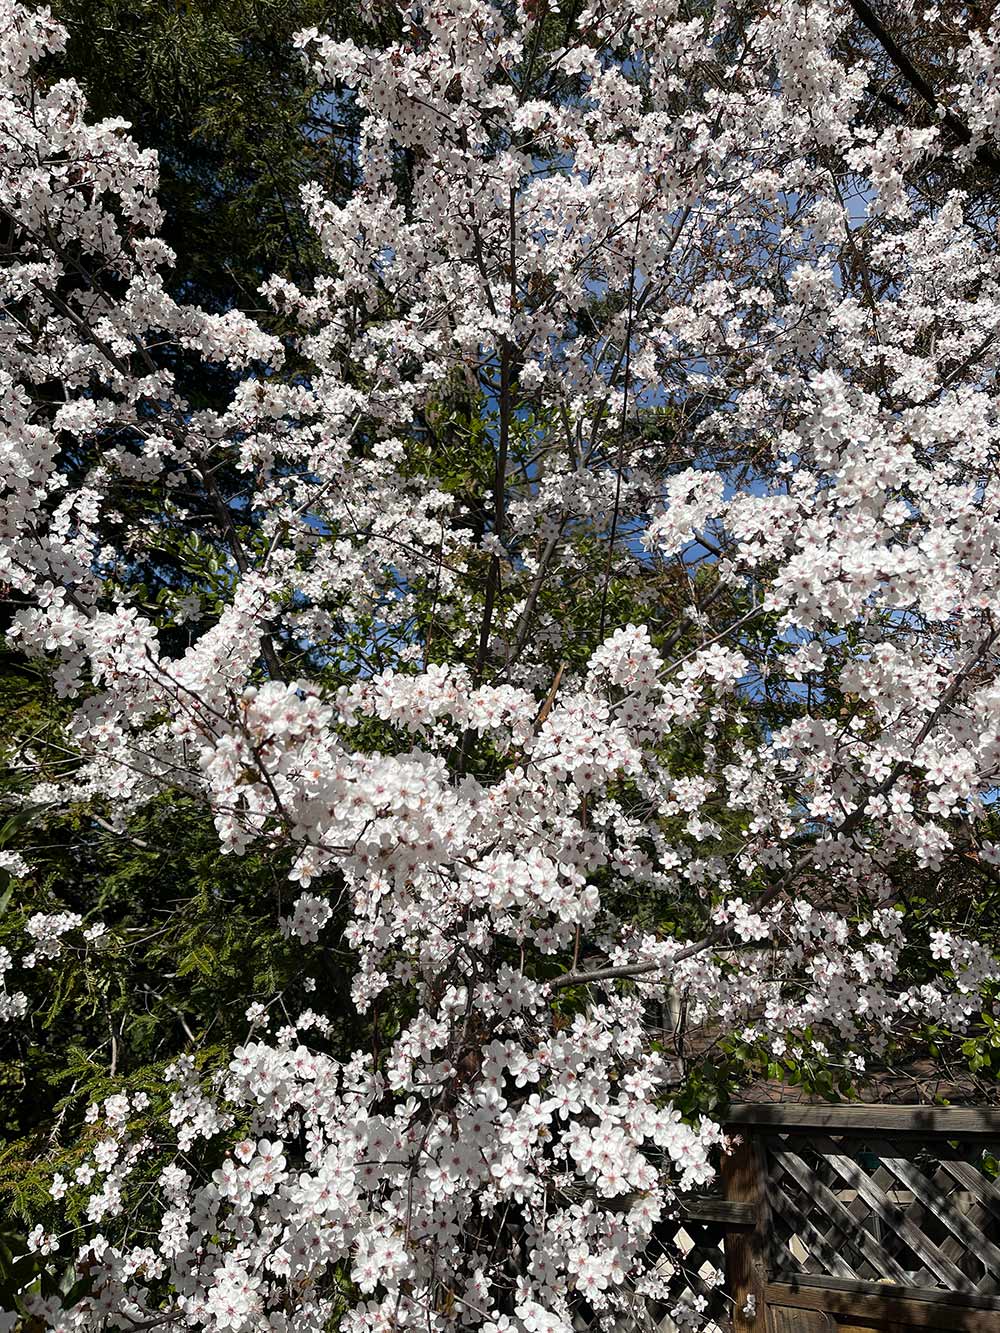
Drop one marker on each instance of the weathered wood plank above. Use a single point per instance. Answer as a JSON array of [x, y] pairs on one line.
[[743, 1176], [893, 1216], [889, 1291], [789, 1319], [871, 1300], [848, 1225], [950, 1121], [727, 1212]]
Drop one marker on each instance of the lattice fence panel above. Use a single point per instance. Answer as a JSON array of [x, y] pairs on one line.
[[901, 1212]]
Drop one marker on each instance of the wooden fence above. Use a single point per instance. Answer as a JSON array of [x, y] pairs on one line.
[[850, 1219]]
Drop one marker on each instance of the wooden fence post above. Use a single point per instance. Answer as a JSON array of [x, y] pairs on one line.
[[744, 1181]]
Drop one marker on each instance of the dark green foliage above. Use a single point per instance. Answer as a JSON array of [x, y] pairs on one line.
[[222, 94]]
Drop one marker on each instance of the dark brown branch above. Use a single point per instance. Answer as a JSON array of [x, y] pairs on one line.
[[507, 377], [621, 437], [985, 155], [524, 625]]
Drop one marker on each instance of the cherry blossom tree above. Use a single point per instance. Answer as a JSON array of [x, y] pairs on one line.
[[711, 338]]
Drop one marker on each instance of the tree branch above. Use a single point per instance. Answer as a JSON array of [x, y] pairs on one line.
[[985, 155]]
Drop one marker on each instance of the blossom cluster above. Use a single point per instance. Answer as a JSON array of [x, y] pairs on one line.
[[508, 1157]]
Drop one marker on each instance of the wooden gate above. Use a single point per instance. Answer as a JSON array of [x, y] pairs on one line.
[[837, 1218]]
